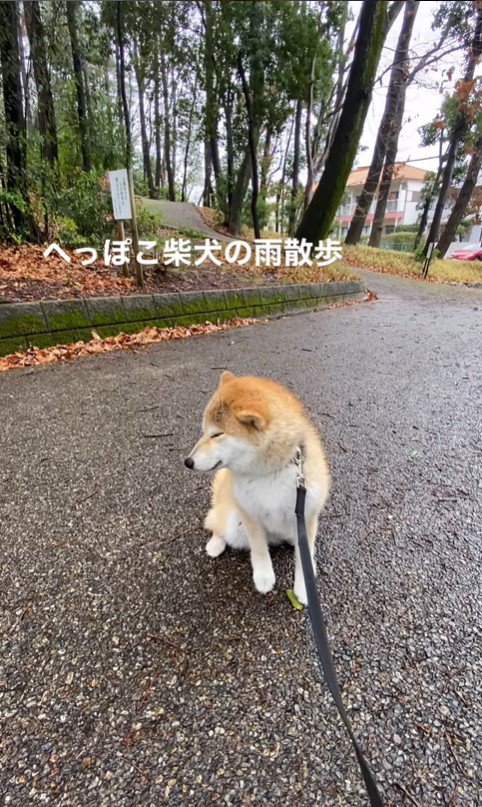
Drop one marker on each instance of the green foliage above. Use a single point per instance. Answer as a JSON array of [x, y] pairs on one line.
[[407, 228], [148, 222], [399, 241], [66, 233], [8, 201], [86, 202]]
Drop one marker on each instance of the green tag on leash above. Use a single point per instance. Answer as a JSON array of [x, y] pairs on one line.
[[297, 605]]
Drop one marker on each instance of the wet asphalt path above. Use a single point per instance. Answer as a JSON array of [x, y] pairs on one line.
[[136, 671]]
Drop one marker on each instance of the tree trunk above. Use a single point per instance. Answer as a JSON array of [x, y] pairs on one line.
[[122, 81], [228, 110], [395, 87], [239, 193], [15, 136], [71, 8], [279, 203], [159, 179], [188, 144], [24, 73], [211, 109], [171, 189], [428, 201], [208, 187], [174, 124], [308, 145], [296, 168], [46, 113], [373, 26], [265, 164], [423, 219], [387, 175], [146, 157], [252, 141], [462, 200], [460, 129]]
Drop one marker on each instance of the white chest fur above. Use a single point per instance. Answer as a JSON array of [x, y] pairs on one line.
[[270, 500]]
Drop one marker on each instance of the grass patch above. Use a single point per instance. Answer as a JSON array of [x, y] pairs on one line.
[[402, 263]]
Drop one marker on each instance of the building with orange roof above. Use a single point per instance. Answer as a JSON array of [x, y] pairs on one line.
[[404, 197]]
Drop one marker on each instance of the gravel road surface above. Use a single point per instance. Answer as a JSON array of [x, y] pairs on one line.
[[136, 671]]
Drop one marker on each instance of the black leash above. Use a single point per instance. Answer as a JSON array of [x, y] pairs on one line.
[[320, 635]]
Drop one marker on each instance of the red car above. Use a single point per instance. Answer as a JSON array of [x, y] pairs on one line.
[[471, 252]]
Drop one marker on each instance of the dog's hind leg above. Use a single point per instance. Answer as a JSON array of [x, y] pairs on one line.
[[215, 521], [215, 546], [227, 529]]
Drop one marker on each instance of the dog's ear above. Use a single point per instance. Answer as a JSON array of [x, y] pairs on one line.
[[226, 376], [251, 418]]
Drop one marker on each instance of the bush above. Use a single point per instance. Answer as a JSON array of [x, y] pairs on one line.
[[399, 241], [87, 204], [407, 228], [148, 222], [67, 234]]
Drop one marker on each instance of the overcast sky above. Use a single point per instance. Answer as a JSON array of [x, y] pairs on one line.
[[422, 103]]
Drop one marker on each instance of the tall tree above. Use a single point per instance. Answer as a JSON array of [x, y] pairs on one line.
[[15, 146], [388, 172], [462, 201], [374, 22], [398, 76], [171, 188], [46, 112], [433, 133], [212, 101], [461, 124], [73, 23], [253, 135], [453, 24], [122, 80], [139, 69], [159, 177], [295, 174]]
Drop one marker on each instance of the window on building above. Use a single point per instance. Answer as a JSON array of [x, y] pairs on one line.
[[389, 228], [415, 196], [345, 208], [344, 231], [392, 203]]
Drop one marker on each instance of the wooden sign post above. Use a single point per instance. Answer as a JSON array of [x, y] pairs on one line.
[[124, 209]]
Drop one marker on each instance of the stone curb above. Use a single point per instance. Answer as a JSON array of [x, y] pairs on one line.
[[55, 322]]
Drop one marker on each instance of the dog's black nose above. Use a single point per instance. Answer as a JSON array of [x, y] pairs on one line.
[[189, 462]]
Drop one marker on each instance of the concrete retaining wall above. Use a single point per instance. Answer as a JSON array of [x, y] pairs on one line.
[[56, 322]]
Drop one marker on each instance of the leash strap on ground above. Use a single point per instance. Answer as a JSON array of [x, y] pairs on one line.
[[322, 644]]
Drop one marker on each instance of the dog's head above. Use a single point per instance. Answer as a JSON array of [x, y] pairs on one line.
[[245, 424]]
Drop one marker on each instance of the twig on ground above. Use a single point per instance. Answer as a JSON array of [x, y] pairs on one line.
[[406, 794], [155, 637], [454, 755]]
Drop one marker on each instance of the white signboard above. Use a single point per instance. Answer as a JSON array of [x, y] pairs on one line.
[[119, 189]]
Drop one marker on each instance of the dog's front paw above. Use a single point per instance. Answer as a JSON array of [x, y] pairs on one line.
[[215, 546], [264, 580]]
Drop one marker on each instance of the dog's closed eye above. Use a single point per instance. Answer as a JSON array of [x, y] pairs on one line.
[[218, 434]]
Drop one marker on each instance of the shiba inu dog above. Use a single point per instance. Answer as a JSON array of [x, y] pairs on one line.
[[252, 431]]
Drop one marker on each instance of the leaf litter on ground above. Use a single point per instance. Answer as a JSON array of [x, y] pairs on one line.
[[36, 356]]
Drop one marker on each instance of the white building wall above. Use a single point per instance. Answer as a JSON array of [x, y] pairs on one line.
[[411, 213]]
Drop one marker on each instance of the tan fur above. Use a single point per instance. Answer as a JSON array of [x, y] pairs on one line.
[[267, 422]]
